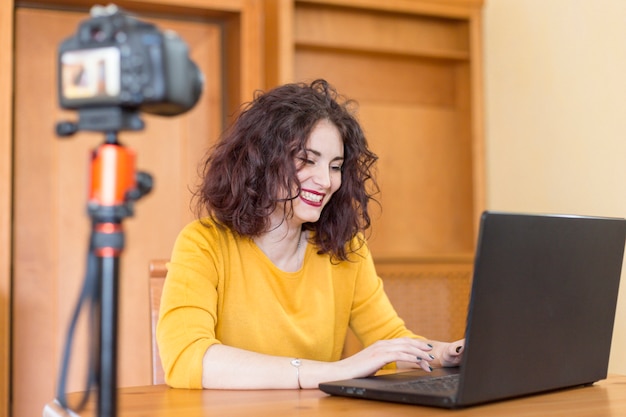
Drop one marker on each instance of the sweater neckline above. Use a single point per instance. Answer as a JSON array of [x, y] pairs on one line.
[[287, 274]]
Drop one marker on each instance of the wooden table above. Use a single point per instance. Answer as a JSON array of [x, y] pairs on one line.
[[603, 399]]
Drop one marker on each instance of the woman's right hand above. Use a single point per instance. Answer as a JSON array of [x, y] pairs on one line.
[[412, 352]]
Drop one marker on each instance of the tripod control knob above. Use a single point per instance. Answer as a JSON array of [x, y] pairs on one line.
[[66, 128]]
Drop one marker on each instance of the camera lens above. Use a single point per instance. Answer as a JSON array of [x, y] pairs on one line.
[[98, 34]]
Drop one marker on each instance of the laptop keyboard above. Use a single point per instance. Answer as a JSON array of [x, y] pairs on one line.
[[439, 384]]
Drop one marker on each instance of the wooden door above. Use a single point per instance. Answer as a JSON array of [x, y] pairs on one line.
[[51, 223]]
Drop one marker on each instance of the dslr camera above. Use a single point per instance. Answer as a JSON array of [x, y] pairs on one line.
[[117, 66]]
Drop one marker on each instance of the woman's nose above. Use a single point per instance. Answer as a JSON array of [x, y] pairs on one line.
[[322, 176]]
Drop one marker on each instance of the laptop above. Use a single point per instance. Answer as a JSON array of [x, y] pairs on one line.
[[540, 316]]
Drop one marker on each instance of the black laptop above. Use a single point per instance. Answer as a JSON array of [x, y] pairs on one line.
[[540, 317]]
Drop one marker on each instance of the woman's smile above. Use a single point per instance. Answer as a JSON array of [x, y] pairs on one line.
[[312, 198]]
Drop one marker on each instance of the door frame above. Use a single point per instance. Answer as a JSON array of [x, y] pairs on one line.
[[6, 167]]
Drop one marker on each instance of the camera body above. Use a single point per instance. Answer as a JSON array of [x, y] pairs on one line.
[[116, 66]]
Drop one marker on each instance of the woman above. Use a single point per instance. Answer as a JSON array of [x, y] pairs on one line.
[[262, 288]]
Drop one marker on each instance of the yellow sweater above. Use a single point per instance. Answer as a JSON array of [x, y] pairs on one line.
[[221, 288]]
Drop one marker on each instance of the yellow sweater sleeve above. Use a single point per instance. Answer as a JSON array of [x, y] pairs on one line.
[[187, 317], [221, 288]]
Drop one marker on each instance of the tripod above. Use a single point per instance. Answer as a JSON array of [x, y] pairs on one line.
[[114, 187]]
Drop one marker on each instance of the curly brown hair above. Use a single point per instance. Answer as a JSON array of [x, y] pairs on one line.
[[245, 175]]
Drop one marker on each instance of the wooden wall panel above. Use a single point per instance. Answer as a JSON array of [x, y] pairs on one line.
[[351, 28], [426, 190], [366, 76]]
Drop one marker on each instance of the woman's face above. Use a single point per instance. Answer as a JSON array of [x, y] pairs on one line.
[[319, 171]]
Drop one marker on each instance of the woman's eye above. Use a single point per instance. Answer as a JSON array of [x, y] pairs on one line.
[[338, 168]]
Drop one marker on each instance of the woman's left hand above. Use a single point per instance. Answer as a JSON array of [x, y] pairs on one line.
[[448, 354], [445, 354]]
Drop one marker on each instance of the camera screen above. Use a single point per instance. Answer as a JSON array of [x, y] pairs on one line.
[[90, 73]]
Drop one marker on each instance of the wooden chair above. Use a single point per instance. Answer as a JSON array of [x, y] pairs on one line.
[[158, 271], [431, 297]]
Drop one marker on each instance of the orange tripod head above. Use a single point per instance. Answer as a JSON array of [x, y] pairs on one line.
[[114, 183]]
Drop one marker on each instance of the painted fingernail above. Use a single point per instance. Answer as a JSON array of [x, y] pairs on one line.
[[431, 356], [430, 346], [419, 359], [458, 349], [431, 368]]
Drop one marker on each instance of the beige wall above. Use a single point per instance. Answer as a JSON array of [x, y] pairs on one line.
[[555, 81]]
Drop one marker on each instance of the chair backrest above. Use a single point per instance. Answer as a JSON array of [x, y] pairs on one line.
[[158, 271]]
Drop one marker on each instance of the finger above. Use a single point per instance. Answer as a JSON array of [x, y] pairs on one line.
[[410, 350], [419, 343], [425, 356], [453, 355], [460, 345], [423, 345], [419, 347], [425, 365]]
